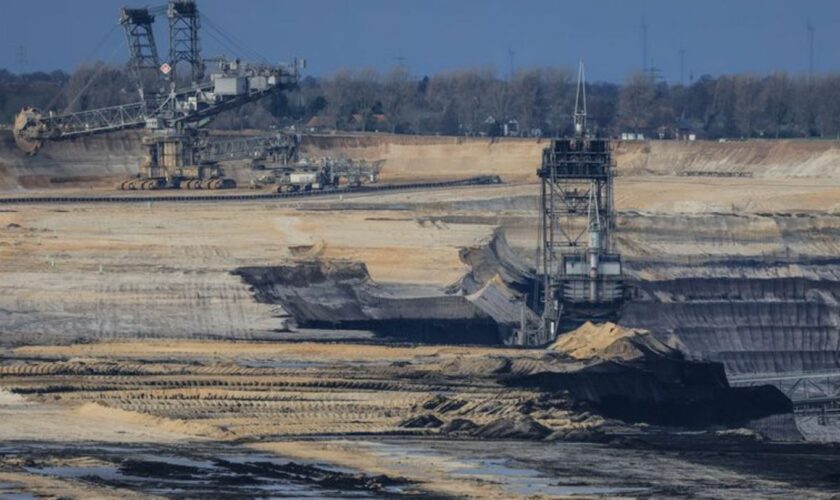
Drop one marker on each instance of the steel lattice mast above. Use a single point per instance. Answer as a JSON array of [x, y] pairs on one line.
[[581, 274]]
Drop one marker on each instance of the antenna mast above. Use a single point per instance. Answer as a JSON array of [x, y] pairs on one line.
[[644, 29], [810, 53], [580, 103]]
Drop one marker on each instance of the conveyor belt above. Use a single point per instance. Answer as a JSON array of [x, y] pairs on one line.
[[472, 181]]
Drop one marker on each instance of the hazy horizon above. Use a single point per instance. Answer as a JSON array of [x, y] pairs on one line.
[[719, 36]]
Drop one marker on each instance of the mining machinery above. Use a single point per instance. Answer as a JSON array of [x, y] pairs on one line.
[[581, 272], [316, 174], [173, 109]]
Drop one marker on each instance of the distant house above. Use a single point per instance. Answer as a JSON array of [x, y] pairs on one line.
[[506, 128], [321, 123], [664, 132], [510, 128], [685, 130], [380, 122], [682, 130], [377, 122], [632, 136]]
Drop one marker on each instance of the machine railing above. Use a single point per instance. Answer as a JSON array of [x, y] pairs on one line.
[[93, 121], [248, 147]]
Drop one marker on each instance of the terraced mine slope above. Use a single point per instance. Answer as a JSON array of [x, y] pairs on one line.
[[122, 316], [100, 160]]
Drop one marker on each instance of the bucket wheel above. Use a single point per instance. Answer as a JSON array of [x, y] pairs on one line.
[[28, 125]]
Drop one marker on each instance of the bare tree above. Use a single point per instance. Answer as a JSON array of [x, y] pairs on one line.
[[471, 88], [529, 98], [804, 106], [501, 99], [777, 97], [559, 99], [98, 86], [396, 95], [636, 101], [747, 104], [365, 92], [461, 101], [720, 115], [336, 88], [827, 90]]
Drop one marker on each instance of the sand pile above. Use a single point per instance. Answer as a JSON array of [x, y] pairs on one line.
[[611, 341]]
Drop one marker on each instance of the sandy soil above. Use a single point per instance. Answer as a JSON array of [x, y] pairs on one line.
[[167, 392], [97, 271], [125, 327], [51, 421], [82, 415], [315, 351], [610, 341], [204, 387]]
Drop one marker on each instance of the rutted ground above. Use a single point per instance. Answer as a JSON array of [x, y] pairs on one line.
[[238, 417], [725, 267], [268, 390]]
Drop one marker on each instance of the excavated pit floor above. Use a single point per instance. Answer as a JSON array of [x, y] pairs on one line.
[[137, 418], [739, 270]]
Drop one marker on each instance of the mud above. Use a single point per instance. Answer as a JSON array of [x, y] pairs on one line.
[[315, 419], [199, 471], [496, 469]]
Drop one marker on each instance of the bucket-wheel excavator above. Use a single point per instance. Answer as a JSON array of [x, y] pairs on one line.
[[180, 153]]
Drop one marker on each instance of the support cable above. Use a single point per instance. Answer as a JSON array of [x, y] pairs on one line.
[[90, 57], [241, 46], [91, 80]]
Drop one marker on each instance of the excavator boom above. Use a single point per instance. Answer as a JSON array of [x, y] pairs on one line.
[[231, 84], [179, 153]]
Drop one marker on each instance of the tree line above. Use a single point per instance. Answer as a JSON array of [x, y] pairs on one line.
[[531, 102]]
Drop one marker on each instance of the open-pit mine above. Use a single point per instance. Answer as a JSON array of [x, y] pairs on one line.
[[354, 343], [189, 313]]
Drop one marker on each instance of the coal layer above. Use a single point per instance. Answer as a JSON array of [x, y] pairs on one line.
[[662, 391], [342, 295]]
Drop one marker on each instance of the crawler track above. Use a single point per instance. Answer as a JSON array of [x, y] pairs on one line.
[[472, 181]]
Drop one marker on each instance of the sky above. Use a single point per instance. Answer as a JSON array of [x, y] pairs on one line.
[[430, 36]]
